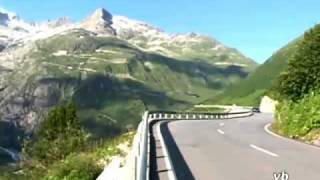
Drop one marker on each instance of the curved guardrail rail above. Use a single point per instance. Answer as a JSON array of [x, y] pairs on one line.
[[142, 156]]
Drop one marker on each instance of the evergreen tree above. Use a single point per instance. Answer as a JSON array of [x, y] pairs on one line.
[[303, 73], [58, 135]]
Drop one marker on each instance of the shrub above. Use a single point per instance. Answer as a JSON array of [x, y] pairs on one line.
[[297, 119], [58, 135], [75, 166]]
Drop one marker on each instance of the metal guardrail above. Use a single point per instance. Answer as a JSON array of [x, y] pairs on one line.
[[142, 156]]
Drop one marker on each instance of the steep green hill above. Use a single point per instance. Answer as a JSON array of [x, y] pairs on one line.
[[250, 90], [297, 114]]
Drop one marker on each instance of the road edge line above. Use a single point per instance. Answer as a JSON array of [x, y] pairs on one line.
[[267, 126], [168, 163]]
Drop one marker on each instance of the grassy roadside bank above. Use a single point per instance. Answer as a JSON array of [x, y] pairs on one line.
[[298, 90], [61, 148], [85, 165], [299, 120]]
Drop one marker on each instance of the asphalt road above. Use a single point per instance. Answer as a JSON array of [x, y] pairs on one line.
[[238, 149]]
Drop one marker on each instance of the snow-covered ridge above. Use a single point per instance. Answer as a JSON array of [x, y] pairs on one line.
[[14, 30], [123, 24], [129, 27]]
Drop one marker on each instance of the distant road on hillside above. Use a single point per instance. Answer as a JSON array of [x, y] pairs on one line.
[[238, 149]]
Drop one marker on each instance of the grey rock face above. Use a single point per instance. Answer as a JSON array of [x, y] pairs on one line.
[[4, 18], [99, 22], [59, 22], [104, 14]]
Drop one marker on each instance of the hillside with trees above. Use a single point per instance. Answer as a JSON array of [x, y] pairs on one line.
[[250, 90], [298, 90], [61, 148]]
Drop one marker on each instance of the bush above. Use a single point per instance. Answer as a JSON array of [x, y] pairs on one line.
[[58, 135], [75, 166], [303, 73], [297, 119], [61, 151]]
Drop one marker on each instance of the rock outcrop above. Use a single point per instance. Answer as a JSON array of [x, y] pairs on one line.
[[268, 105], [99, 22]]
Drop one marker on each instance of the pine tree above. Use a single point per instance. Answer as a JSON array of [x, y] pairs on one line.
[[58, 135]]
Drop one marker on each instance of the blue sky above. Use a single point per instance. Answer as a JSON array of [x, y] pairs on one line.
[[257, 28]]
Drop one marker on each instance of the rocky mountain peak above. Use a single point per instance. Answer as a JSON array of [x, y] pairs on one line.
[[99, 22], [101, 14]]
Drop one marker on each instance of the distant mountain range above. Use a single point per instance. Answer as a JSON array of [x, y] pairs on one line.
[[14, 30], [111, 66]]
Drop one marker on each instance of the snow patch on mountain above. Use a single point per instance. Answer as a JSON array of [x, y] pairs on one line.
[[144, 36], [128, 28], [14, 30]]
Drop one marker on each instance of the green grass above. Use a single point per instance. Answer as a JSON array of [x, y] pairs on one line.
[[201, 51], [86, 165], [299, 120]]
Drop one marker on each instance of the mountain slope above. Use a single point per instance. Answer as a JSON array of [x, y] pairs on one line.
[[250, 90], [100, 64], [180, 46]]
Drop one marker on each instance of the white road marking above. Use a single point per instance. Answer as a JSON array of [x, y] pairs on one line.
[[264, 150], [266, 128], [220, 131], [221, 124]]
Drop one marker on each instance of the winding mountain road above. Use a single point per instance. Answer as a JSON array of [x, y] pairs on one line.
[[237, 149]]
